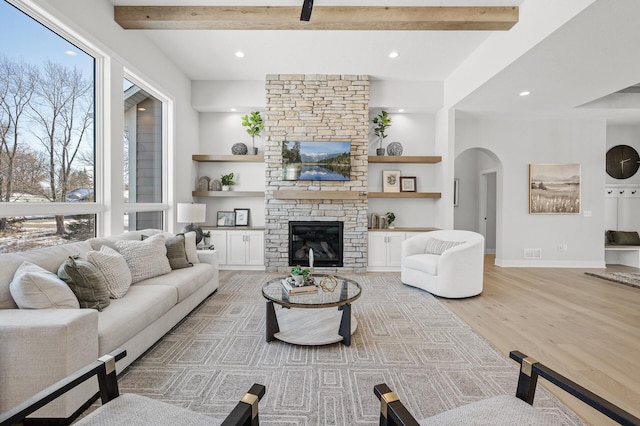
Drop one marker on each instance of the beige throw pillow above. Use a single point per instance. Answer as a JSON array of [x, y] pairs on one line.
[[190, 247], [114, 268], [146, 259], [86, 281], [34, 287]]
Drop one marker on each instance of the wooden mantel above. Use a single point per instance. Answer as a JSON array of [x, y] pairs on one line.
[[370, 18]]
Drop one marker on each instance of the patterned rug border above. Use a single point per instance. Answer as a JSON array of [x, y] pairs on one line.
[[631, 279]]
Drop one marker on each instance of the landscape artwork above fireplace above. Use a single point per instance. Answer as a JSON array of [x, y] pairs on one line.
[[325, 238], [316, 161]]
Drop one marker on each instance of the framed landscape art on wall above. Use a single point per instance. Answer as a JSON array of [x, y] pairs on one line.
[[554, 188]]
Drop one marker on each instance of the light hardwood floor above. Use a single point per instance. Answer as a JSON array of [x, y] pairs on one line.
[[583, 327]]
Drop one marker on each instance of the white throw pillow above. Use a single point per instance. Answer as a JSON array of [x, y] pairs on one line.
[[146, 259], [114, 268], [190, 247], [437, 246], [33, 287]]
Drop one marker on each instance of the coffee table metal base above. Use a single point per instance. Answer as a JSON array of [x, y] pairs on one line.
[[321, 326]]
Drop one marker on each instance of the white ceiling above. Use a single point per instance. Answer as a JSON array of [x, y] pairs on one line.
[[584, 60]]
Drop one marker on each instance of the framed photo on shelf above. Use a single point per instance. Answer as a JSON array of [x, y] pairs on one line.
[[391, 181], [407, 184], [242, 217], [226, 219]]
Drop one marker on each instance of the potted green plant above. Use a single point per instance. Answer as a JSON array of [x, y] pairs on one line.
[[390, 219], [207, 238], [299, 274], [254, 124], [227, 181], [382, 122]]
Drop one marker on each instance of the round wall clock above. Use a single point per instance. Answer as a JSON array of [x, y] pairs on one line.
[[622, 162]]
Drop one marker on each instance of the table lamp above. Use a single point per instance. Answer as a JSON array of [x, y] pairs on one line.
[[192, 213]]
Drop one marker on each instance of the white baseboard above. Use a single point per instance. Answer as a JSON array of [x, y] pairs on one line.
[[549, 264]]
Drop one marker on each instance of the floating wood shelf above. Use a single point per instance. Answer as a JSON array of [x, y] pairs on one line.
[[405, 159], [405, 195], [227, 193], [396, 229], [228, 158], [316, 195]]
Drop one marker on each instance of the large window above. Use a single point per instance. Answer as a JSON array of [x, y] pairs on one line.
[[47, 136], [144, 158]]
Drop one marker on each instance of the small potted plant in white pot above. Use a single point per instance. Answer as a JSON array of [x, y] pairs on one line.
[[254, 124], [207, 238], [382, 122], [227, 181], [299, 274]]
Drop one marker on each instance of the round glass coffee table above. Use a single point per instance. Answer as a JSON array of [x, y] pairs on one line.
[[319, 318]]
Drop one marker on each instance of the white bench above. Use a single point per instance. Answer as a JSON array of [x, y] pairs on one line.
[[622, 255]]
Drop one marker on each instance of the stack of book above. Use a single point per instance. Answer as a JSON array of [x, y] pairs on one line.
[[289, 286]]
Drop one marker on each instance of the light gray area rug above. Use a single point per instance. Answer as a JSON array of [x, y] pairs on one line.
[[405, 337], [628, 278]]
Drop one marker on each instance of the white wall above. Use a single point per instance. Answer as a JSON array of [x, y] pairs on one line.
[[94, 22], [517, 143]]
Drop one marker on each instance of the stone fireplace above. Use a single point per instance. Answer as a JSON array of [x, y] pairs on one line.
[[325, 239], [316, 108]]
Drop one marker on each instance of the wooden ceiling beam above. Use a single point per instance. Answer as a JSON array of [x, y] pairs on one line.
[[375, 18]]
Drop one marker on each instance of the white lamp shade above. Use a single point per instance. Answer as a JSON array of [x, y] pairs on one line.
[[191, 213]]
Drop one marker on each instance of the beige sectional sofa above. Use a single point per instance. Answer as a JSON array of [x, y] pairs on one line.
[[40, 346]]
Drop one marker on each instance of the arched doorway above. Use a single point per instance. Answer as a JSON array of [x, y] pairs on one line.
[[478, 173]]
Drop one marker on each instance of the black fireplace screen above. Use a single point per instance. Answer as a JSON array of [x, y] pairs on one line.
[[324, 238]]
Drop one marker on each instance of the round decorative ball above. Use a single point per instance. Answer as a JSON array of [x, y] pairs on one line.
[[239, 149], [394, 148]]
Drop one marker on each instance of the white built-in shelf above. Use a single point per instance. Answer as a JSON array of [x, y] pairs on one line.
[[227, 193], [405, 159], [228, 158], [405, 195], [316, 195]]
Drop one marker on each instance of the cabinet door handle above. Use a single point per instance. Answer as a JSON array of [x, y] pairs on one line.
[[633, 192], [622, 192]]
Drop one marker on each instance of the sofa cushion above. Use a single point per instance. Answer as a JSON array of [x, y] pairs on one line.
[[146, 259], [128, 316], [48, 258], [423, 262], [114, 268], [86, 281], [438, 246], [629, 238], [33, 287], [496, 411], [186, 281]]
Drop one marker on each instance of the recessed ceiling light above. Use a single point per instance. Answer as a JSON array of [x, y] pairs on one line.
[[70, 53], [525, 93], [394, 55], [233, 110], [401, 110], [141, 109], [239, 54]]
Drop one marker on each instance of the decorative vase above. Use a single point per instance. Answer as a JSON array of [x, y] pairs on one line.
[[380, 151], [225, 187], [207, 241], [215, 185], [239, 149], [394, 149], [299, 280], [254, 151]]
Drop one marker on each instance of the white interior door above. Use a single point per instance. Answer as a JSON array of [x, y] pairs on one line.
[[488, 202]]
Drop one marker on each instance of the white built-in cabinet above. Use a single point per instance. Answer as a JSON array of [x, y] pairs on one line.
[[385, 249], [622, 208], [239, 249], [245, 248]]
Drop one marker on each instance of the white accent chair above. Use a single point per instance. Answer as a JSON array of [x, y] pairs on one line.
[[455, 273]]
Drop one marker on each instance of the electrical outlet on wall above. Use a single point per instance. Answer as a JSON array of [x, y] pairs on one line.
[[562, 247]]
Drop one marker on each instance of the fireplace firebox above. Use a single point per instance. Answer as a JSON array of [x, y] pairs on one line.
[[325, 238]]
